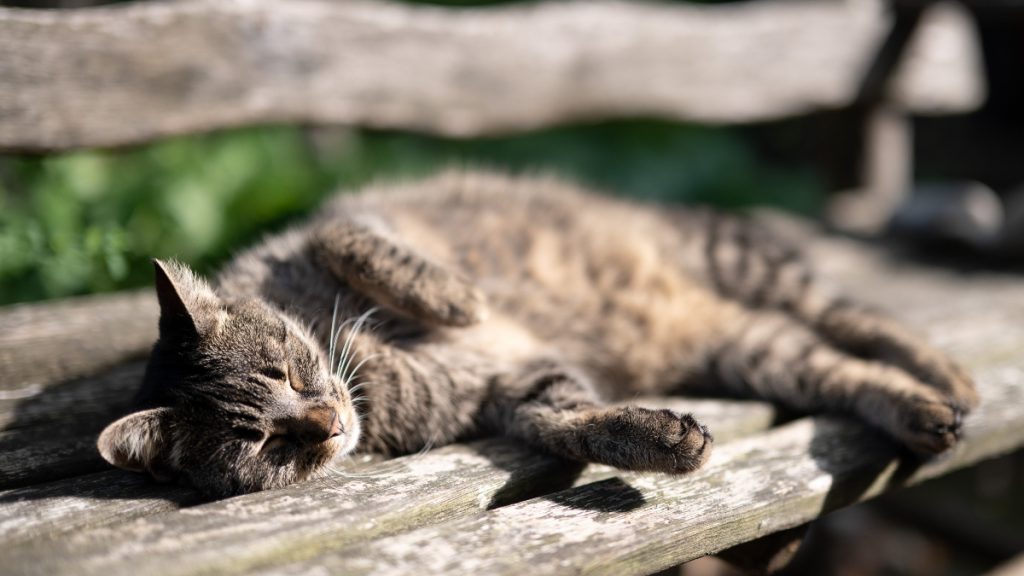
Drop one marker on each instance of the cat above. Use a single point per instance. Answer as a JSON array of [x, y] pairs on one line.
[[477, 304]]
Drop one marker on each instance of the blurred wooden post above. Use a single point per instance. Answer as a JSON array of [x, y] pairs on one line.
[[940, 33]]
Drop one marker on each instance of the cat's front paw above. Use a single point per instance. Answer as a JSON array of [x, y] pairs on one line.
[[651, 440], [460, 304]]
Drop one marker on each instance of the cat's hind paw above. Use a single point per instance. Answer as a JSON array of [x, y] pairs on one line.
[[932, 427]]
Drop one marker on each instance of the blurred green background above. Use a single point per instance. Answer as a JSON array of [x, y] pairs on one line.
[[90, 221]]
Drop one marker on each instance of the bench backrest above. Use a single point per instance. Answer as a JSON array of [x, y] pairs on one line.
[[127, 74]]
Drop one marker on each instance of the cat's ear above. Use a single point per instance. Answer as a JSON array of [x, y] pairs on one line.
[[187, 303], [134, 441]]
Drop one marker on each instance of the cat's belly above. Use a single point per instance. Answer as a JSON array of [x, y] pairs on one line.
[[634, 326]]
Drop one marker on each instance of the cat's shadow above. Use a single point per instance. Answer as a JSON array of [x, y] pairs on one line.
[[53, 430], [860, 460], [534, 474]]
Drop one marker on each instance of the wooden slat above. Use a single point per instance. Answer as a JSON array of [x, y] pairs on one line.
[[45, 343], [67, 506], [119, 75], [638, 524], [94, 400], [49, 432], [392, 496], [626, 524]]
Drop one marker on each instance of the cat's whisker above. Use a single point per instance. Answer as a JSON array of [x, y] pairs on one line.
[[355, 371], [334, 342], [428, 446], [346, 358], [333, 338]]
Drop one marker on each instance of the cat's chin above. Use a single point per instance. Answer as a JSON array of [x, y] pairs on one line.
[[345, 444]]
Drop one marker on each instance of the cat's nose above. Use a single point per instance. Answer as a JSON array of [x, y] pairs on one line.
[[337, 428], [320, 424]]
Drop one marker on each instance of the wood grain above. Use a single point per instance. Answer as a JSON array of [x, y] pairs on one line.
[[50, 433], [119, 75], [626, 524], [55, 341]]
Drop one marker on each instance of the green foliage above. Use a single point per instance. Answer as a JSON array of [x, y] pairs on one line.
[[90, 221]]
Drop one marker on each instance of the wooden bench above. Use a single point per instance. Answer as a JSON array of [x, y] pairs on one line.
[[116, 76]]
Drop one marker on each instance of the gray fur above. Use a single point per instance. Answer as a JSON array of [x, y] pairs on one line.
[[505, 306]]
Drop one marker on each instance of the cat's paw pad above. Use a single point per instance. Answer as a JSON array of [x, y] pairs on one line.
[[658, 440], [933, 427]]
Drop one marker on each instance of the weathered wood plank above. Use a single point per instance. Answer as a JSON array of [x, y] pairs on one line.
[[100, 499], [95, 400], [119, 75], [641, 523], [62, 507], [33, 455], [628, 524], [50, 433], [390, 496], [54, 341]]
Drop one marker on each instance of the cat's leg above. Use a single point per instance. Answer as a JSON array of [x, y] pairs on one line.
[[869, 333], [776, 357], [397, 276], [555, 408], [745, 262]]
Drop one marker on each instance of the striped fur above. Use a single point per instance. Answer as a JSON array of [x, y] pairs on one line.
[[521, 306]]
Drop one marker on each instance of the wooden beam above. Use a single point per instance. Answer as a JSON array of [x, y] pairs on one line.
[[638, 524], [127, 74], [41, 344], [431, 511], [483, 474]]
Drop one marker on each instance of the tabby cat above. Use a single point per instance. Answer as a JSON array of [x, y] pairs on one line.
[[472, 304]]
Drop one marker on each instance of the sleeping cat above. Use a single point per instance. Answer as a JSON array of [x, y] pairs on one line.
[[472, 304]]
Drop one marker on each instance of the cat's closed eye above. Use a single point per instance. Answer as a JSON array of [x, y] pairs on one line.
[[277, 374], [273, 373], [249, 434]]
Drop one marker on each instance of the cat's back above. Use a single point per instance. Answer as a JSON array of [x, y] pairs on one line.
[[490, 225]]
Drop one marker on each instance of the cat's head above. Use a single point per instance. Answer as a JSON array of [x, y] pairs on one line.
[[238, 397]]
